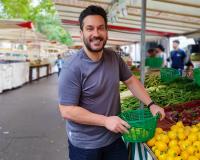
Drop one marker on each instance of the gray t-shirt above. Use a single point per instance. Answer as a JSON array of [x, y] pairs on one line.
[[95, 87]]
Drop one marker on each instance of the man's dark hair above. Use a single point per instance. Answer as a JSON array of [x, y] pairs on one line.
[[151, 50], [92, 10], [176, 41], [161, 47]]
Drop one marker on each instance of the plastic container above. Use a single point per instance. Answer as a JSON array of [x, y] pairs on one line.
[[154, 62], [169, 74], [197, 76], [143, 125]]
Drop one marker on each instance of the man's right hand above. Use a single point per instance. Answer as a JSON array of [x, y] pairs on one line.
[[116, 124]]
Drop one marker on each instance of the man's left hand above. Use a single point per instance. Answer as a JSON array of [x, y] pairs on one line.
[[156, 109]]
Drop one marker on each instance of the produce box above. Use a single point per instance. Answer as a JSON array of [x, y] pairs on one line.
[[188, 113], [197, 76]]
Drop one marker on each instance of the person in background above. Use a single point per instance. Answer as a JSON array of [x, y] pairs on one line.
[[189, 69], [89, 96], [59, 62], [151, 52], [161, 54], [177, 57]]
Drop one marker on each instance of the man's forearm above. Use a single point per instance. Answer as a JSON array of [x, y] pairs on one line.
[[81, 115], [138, 90]]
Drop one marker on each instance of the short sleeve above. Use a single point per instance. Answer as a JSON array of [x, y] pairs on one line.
[[171, 55], [69, 88], [124, 71], [184, 54]]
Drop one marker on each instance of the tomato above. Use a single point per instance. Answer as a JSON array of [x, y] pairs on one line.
[[197, 145], [195, 129], [162, 156], [154, 148], [176, 149], [197, 155], [172, 135], [180, 130], [171, 153], [180, 124], [192, 137], [165, 138], [181, 135], [158, 137], [184, 145], [174, 128], [184, 155], [178, 158], [173, 143], [191, 150], [157, 153], [151, 142], [192, 158], [161, 146], [159, 130]]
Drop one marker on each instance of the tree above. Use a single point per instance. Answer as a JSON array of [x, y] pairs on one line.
[[51, 27], [43, 15]]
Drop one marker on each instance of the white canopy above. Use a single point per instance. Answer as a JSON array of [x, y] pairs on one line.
[[164, 18]]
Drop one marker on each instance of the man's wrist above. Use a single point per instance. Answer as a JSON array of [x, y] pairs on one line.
[[150, 104]]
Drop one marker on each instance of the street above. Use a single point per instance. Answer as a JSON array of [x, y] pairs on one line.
[[31, 127]]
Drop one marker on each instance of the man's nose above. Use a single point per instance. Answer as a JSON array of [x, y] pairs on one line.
[[96, 32]]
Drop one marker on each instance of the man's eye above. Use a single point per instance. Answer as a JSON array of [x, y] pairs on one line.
[[89, 29], [102, 28]]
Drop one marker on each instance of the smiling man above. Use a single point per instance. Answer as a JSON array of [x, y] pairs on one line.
[[89, 94]]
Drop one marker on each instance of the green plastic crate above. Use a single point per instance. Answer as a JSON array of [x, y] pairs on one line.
[[197, 76], [143, 125], [169, 74], [154, 62]]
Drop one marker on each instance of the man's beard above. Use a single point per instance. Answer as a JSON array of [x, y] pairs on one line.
[[89, 47]]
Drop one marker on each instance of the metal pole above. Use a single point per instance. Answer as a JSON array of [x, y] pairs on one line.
[[143, 48], [168, 50]]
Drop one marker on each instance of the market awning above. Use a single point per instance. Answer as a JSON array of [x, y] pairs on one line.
[[164, 18], [19, 31], [13, 24]]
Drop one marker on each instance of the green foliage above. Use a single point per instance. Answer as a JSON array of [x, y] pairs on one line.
[[15, 8], [43, 15], [51, 27]]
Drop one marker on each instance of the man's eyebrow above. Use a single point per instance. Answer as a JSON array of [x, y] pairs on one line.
[[88, 26], [102, 25]]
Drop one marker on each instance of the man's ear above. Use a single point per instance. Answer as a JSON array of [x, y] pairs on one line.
[[81, 34]]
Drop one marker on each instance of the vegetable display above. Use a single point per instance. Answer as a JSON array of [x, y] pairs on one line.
[[188, 113], [181, 90], [179, 143]]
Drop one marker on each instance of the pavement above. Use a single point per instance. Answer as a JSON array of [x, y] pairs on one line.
[[31, 127]]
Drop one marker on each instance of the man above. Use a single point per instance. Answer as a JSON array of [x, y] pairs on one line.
[[161, 54], [59, 62], [89, 94], [177, 57]]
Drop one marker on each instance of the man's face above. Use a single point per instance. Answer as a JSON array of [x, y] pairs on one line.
[[175, 45], [158, 50], [94, 33]]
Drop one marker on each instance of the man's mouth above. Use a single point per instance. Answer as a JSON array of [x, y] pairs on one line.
[[96, 40]]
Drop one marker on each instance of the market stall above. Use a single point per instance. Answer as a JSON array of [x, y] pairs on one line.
[[25, 55], [164, 18], [13, 75], [39, 71]]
